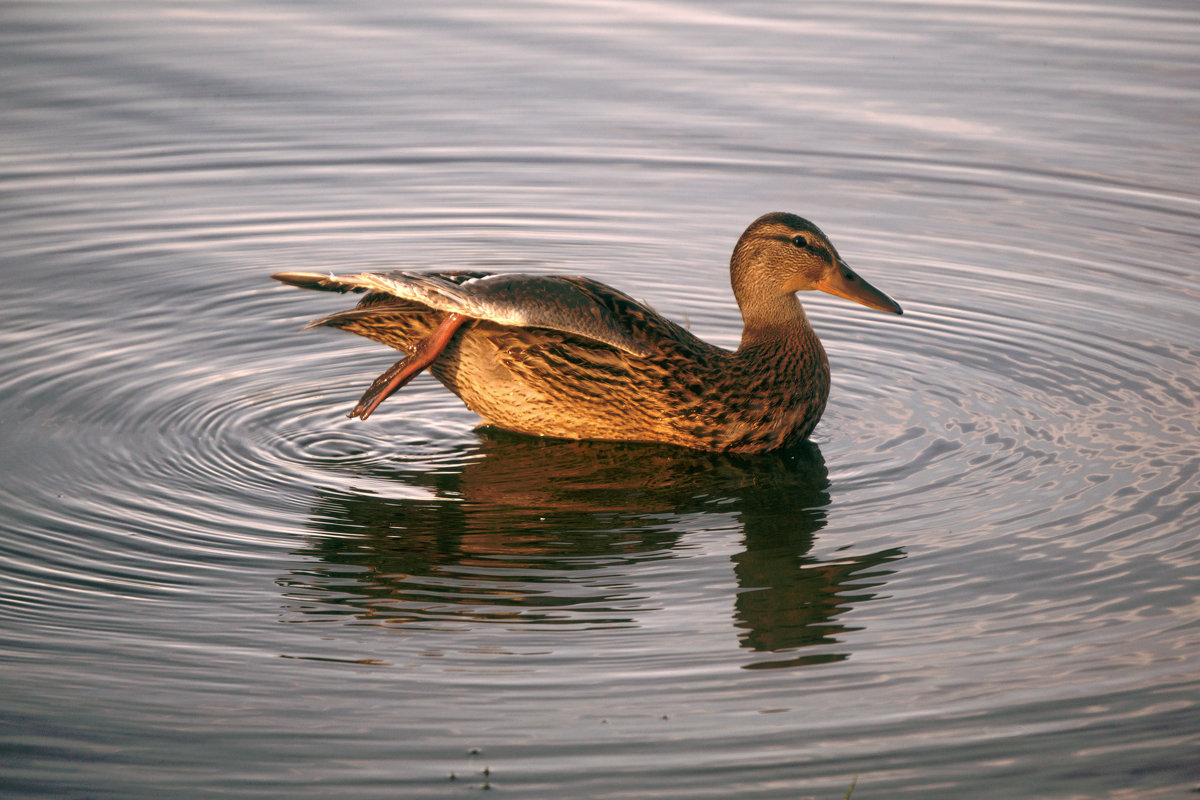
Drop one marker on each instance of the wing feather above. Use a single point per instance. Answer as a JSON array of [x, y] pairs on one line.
[[515, 300]]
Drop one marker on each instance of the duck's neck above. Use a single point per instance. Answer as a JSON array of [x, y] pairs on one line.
[[782, 370], [778, 320]]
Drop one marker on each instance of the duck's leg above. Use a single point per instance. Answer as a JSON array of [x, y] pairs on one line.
[[407, 368]]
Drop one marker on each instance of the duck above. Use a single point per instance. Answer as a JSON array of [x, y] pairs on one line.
[[572, 358]]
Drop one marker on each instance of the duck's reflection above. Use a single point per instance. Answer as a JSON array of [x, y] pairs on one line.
[[536, 531]]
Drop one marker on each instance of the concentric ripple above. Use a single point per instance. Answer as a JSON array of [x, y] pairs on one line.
[[981, 582], [163, 438]]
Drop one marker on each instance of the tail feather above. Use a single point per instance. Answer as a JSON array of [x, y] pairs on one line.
[[354, 316], [319, 281]]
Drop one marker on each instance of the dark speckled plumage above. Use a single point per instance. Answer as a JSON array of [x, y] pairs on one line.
[[526, 356]]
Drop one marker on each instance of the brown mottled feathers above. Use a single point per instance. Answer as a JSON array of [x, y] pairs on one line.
[[571, 357], [547, 382]]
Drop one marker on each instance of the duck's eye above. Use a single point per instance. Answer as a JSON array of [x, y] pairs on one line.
[[800, 242]]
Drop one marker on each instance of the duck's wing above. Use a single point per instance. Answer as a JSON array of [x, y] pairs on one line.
[[516, 300]]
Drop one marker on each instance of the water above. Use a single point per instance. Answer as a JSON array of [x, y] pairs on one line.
[[981, 580]]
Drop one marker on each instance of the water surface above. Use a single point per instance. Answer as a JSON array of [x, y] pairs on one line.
[[980, 579]]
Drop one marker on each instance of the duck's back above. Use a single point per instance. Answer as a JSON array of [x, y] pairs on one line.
[[682, 391], [553, 383]]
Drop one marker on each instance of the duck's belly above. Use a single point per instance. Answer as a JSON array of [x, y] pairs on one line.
[[636, 406], [554, 405]]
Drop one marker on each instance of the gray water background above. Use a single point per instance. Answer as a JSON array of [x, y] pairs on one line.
[[981, 581]]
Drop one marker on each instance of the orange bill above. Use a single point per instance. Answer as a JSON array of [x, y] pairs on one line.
[[844, 282]]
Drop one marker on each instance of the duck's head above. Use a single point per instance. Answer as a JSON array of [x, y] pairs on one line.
[[781, 254]]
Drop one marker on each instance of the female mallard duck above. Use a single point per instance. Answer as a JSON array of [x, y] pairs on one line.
[[573, 358]]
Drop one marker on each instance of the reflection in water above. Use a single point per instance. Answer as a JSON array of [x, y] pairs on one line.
[[534, 531]]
